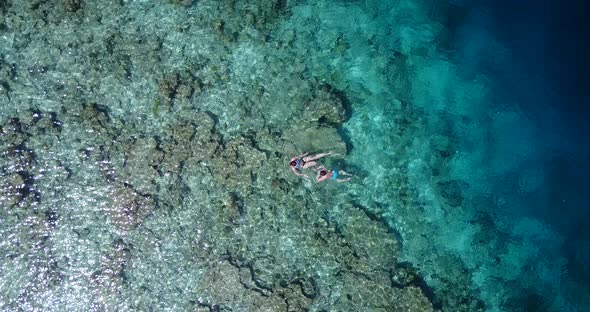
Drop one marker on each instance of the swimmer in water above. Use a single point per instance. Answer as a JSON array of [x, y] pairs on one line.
[[325, 174], [305, 161]]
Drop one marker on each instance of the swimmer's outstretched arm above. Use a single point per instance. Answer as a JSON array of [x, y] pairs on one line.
[[317, 156]]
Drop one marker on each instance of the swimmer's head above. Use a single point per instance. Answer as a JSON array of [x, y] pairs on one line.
[[323, 173], [293, 163]]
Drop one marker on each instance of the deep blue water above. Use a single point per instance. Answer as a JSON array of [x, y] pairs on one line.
[[504, 83], [545, 77], [548, 41]]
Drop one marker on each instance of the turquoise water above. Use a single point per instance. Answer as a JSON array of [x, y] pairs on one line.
[[145, 147]]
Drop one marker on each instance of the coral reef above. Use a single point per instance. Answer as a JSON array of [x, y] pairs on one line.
[[144, 153]]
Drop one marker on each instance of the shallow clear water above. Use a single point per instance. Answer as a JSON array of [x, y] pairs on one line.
[[145, 147]]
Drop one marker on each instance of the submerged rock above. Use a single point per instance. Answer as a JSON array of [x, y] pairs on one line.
[[228, 287], [237, 164], [17, 165], [72, 6], [142, 164], [186, 3], [312, 137], [327, 106], [129, 208], [12, 189], [452, 191]]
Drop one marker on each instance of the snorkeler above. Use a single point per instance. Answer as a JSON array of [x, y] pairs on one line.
[[301, 162], [324, 174]]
